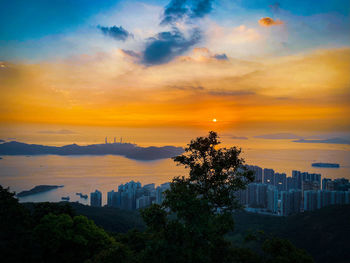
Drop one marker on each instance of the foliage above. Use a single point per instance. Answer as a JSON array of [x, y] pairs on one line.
[[196, 213], [66, 239], [191, 225], [15, 236], [47, 233]]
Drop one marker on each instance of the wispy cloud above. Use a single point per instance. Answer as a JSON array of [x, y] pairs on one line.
[[63, 132]]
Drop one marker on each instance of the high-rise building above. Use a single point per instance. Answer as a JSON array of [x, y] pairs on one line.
[[269, 175], [298, 179], [341, 184], [242, 196], [310, 185], [257, 195], [281, 181], [324, 183], [160, 192], [272, 199], [291, 183], [310, 200], [290, 202], [113, 199], [143, 202], [258, 173], [96, 198]]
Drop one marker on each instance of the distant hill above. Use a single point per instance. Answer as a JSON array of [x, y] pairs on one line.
[[131, 151]]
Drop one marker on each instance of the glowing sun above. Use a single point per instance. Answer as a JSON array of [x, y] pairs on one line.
[[214, 120]]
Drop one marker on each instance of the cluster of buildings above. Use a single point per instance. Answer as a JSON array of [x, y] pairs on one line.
[[271, 193], [131, 196], [278, 194]]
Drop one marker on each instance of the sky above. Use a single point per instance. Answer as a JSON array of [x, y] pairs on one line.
[[272, 65]]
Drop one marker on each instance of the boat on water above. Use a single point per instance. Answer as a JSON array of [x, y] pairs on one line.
[[326, 165], [65, 198]]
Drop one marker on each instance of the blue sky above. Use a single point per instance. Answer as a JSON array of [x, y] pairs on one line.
[[41, 29]]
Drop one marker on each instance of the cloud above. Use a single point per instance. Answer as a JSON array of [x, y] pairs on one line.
[[203, 54], [188, 88], [268, 21], [221, 56], [57, 132], [165, 46], [239, 137], [177, 10], [201, 8], [118, 33], [279, 136], [231, 92]]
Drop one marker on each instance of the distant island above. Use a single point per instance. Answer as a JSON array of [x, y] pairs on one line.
[[38, 189], [128, 150], [331, 141], [326, 165]]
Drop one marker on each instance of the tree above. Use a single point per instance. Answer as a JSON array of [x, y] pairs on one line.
[[15, 234], [196, 214], [191, 223], [66, 239]]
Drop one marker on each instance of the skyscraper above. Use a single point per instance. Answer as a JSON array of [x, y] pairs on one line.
[[310, 200], [96, 199], [291, 183], [258, 173], [269, 175], [281, 181], [298, 179], [290, 202], [257, 195], [272, 199]]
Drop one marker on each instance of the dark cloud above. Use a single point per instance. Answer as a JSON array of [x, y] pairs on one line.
[[176, 10], [221, 56], [118, 33], [165, 46], [201, 8]]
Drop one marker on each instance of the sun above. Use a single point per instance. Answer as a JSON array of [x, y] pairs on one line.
[[214, 120]]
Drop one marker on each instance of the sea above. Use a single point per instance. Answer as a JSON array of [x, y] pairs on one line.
[[84, 174]]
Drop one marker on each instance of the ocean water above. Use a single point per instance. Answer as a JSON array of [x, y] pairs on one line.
[[86, 173]]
